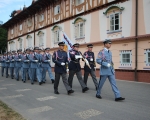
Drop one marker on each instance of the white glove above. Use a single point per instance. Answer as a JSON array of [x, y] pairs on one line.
[[62, 63], [78, 56], [67, 70], [91, 59], [19, 59], [86, 61], [36, 60], [12, 60], [7, 60], [108, 65], [27, 60], [48, 60], [95, 68]]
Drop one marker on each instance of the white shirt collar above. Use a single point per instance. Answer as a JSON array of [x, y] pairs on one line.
[[106, 49]]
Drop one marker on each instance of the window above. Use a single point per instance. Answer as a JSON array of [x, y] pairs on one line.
[[20, 43], [29, 22], [41, 39], [114, 22], [12, 45], [57, 9], [79, 30], [29, 39], [78, 2], [20, 27], [41, 17], [12, 31], [56, 36], [148, 56], [126, 58]]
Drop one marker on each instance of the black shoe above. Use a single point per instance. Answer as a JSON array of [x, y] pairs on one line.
[[53, 81], [12, 78], [6, 76], [85, 89], [43, 81], [119, 99], [2, 75], [40, 83], [56, 92], [24, 81], [70, 91], [98, 96], [32, 83], [17, 79]]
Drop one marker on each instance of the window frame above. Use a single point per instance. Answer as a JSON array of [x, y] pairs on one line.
[[56, 9], [29, 41], [78, 35], [122, 59], [57, 36], [20, 44], [20, 27], [79, 3], [41, 36], [114, 22], [148, 57], [12, 31], [41, 17]]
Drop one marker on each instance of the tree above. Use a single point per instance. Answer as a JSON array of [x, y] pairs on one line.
[[3, 40]]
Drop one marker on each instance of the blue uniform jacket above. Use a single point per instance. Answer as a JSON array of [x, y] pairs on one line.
[[3, 61], [26, 61], [74, 63], [18, 63], [59, 57], [104, 57], [7, 62], [34, 57], [12, 61], [89, 55], [45, 62]]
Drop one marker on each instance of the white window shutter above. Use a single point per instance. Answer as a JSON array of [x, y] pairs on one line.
[[76, 31], [81, 30]]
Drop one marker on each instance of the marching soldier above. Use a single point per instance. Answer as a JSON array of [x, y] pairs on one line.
[[46, 58], [3, 63], [18, 63], [89, 55], [26, 65], [60, 58], [75, 68], [7, 63], [107, 71], [12, 64], [35, 66]]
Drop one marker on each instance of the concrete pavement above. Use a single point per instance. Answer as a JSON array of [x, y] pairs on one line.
[[36, 102]]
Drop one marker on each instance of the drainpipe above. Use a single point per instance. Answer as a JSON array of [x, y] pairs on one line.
[[34, 30], [136, 39]]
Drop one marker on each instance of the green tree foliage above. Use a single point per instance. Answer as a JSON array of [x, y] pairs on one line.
[[3, 40]]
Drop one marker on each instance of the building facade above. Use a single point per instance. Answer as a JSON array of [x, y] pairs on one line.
[[125, 22]]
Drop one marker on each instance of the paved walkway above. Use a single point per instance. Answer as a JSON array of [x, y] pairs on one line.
[[36, 102]]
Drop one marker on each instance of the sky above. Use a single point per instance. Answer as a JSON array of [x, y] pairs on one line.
[[7, 6]]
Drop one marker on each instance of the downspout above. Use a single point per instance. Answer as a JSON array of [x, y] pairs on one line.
[[136, 39], [34, 30]]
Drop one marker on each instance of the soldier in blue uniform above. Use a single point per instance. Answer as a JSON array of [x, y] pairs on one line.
[[75, 68], [107, 71], [12, 64], [3, 59], [89, 55], [46, 59], [18, 63], [60, 58], [26, 65], [35, 66], [7, 63]]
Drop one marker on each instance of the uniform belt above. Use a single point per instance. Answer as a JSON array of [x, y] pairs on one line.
[[75, 61]]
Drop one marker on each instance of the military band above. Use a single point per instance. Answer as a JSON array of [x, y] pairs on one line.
[[32, 64]]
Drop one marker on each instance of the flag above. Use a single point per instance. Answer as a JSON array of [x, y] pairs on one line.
[[68, 42]]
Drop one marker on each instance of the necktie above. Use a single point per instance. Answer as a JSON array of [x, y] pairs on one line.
[[108, 51]]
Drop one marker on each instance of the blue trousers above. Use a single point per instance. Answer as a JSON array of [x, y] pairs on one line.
[[22, 73], [11, 72], [17, 72], [49, 73], [6, 71], [36, 71], [25, 73], [112, 81], [2, 71], [29, 73]]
